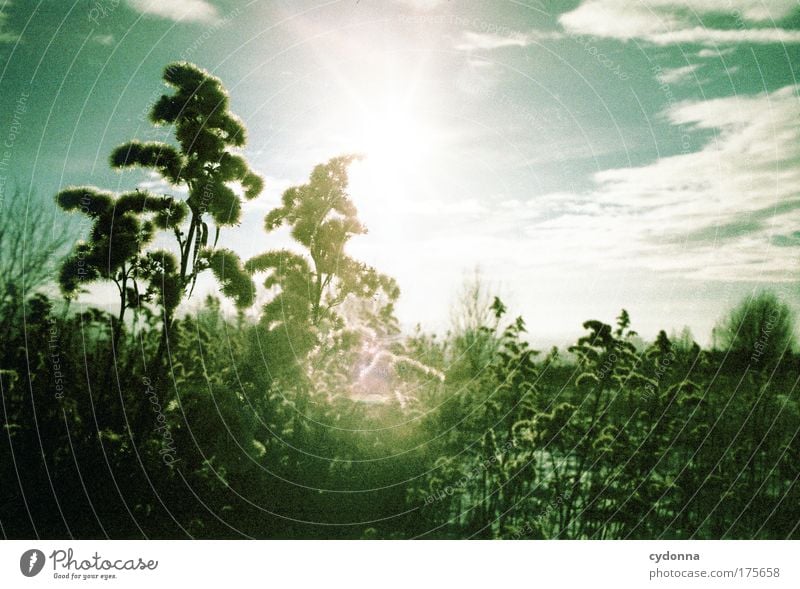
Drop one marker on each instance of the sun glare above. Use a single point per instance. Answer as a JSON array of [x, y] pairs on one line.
[[397, 147], [401, 152], [390, 112], [394, 141]]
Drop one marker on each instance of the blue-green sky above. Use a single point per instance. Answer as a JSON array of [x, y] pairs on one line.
[[586, 156]]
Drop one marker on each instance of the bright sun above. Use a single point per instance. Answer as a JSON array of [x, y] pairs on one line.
[[401, 153], [394, 140], [389, 113], [397, 146]]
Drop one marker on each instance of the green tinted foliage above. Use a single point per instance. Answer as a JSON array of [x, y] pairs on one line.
[[759, 330], [86, 199], [320, 419], [234, 282], [206, 132], [322, 218], [159, 156], [160, 269], [505, 447], [118, 234], [203, 163]]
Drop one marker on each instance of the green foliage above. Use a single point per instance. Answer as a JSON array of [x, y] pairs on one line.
[[123, 227], [311, 285], [759, 331], [603, 443], [320, 419], [159, 156], [234, 282]]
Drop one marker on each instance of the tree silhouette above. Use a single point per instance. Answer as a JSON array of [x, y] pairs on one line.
[[759, 330], [35, 244], [122, 228], [205, 164], [322, 218]]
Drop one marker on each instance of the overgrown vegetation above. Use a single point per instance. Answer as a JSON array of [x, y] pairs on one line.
[[320, 419]]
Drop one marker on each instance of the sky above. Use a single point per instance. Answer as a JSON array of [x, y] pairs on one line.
[[583, 156]]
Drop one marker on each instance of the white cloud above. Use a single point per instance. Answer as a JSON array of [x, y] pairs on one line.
[[660, 22], [716, 212], [726, 211], [704, 53], [752, 10], [608, 18], [103, 39], [665, 22], [478, 76], [269, 198], [178, 10], [157, 185], [705, 36], [421, 4], [677, 75], [472, 41]]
